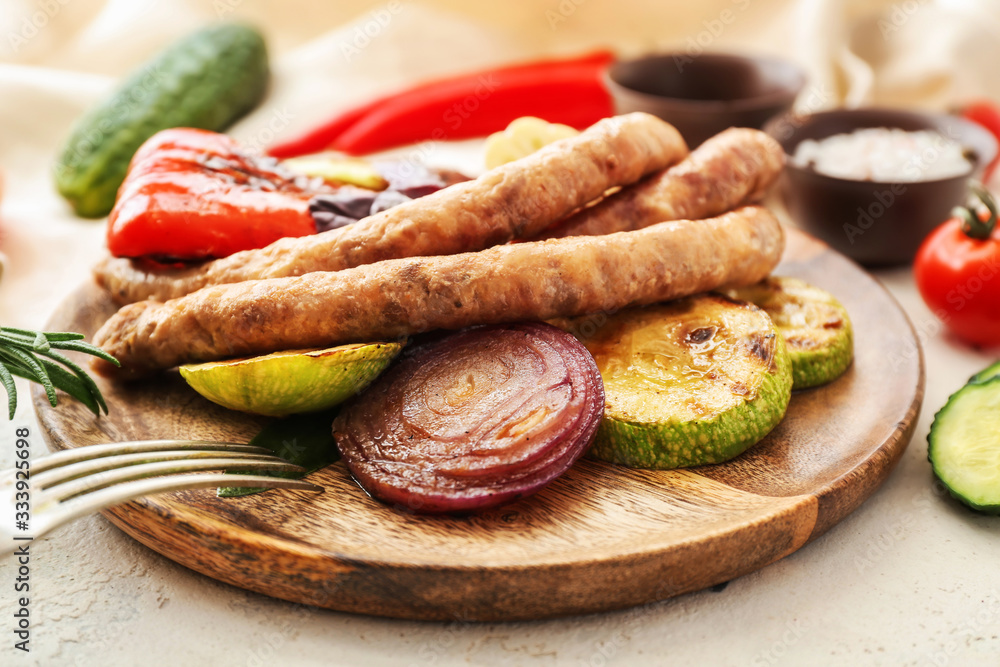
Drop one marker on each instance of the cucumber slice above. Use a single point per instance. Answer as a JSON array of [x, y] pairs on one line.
[[290, 382], [964, 445], [813, 323], [686, 383], [987, 373]]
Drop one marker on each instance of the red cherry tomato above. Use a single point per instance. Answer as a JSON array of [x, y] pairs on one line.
[[958, 275], [987, 114]]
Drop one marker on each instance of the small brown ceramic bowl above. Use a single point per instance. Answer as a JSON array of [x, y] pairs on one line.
[[702, 95], [876, 224]]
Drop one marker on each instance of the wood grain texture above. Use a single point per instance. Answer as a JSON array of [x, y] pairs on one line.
[[601, 537]]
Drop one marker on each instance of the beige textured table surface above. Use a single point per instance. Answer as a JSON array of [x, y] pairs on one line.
[[910, 578]]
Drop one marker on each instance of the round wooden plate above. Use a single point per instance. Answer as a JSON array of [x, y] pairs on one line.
[[601, 537]]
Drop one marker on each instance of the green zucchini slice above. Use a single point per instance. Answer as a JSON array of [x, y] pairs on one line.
[[690, 382], [815, 326], [964, 445], [292, 381]]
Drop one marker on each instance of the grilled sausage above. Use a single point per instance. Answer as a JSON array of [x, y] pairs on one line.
[[732, 168], [518, 199], [509, 283]]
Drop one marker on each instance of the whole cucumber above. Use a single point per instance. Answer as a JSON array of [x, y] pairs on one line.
[[207, 80]]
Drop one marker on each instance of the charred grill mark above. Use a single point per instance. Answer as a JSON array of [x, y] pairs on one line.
[[762, 346], [260, 174], [757, 346], [700, 335], [801, 342], [723, 298], [836, 323]]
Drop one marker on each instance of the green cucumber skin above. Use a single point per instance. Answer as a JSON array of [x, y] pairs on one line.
[[985, 383], [686, 444], [206, 80], [812, 368], [987, 374]]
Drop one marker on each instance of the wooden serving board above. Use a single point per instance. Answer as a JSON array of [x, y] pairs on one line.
[[599, 538]]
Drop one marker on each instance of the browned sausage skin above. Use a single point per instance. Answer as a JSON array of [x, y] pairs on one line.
[[734, 167], [515, 200], [525, 281]]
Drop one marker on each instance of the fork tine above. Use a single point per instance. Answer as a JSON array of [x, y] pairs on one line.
[[111, 449], [98, 500], [63, 492], [72, 471]]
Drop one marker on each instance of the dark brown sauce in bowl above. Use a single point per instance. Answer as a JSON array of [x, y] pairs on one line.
[[704, 94]]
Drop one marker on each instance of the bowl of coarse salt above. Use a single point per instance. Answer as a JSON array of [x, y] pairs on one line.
[[874, 182]]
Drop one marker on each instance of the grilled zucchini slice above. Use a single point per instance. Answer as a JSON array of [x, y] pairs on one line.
[[292, 381], [815, 326], [964, 444], [690, 382]]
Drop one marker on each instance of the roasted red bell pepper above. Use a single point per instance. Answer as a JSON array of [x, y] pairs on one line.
[[192, 194], [568, 91]]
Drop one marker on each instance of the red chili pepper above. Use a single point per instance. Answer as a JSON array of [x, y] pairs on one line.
[[987, 114], [564, 91], [573, 97], [192, 194], [320, 138]]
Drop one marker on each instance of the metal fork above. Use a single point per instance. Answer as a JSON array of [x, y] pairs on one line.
[[76, 482]]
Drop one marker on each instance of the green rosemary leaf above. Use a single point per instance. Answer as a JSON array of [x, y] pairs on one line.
[[29, 374], [88, 382], [74, 386], [19, 355], [87, 348], [8, 384], [55, 336], [16, 340], [41, 343], [17, 368], [36, 339], [20, 333], [63, 380], [22, 360]]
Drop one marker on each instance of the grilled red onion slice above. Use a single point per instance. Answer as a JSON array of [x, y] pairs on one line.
[[474, 419]]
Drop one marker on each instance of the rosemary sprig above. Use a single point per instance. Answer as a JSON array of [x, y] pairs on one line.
[[33, 355]]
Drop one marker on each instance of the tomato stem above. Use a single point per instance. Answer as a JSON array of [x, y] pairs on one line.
[[972, 224]]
